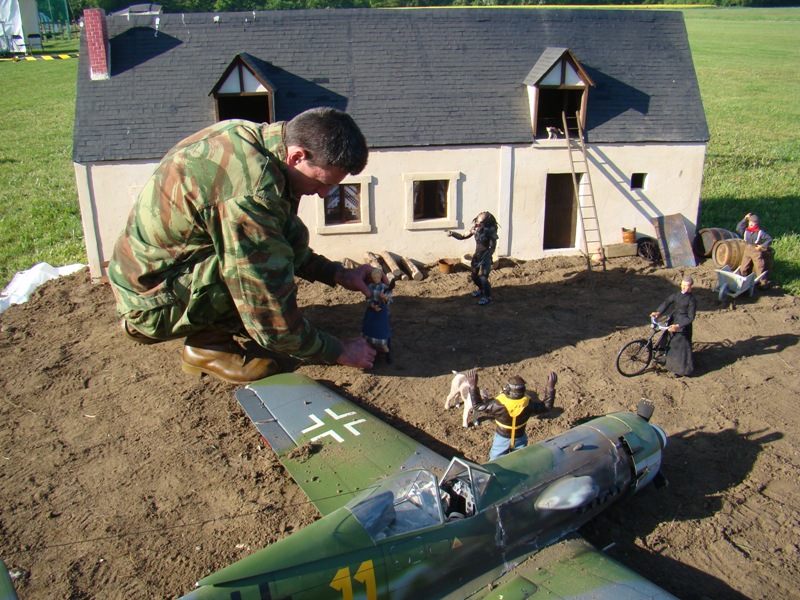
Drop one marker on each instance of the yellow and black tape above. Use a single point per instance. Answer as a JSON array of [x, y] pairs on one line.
[[40, 57]]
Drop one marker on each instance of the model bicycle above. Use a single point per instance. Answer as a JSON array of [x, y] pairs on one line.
[[637, 355]]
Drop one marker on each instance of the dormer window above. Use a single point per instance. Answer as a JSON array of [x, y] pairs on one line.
[[557, 87], [244, 91]]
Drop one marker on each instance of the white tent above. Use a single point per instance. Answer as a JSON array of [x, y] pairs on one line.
[[18, 20]]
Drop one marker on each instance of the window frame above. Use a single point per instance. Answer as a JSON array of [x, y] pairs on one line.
[[453, 193], [365, 207]]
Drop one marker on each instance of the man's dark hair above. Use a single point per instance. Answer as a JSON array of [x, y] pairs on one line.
[[330, 137]]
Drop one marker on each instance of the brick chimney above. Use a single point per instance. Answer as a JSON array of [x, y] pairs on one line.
[[94, 22]]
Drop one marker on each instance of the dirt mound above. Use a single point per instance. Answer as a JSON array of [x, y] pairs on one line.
[[123, 477]]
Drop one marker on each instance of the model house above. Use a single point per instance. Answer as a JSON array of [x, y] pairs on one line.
[[567, 125]]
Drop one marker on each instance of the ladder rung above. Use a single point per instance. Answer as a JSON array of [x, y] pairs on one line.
[[584, 194]]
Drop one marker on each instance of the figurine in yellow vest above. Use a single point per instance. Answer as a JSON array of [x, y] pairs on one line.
[[511, 410]]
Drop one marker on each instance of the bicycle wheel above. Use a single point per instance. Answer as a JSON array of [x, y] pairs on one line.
[[634, 358]]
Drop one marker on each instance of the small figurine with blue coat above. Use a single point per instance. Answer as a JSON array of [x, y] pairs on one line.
[[376, 328]]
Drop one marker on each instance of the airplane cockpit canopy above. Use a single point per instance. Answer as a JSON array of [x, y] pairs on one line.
[[414, 500], [402, 503], [468, 481]]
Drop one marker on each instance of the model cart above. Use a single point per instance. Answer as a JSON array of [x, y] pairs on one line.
[[733, 284]]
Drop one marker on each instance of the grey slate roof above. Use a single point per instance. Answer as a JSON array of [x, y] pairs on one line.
[[425, 77], [546, 60]]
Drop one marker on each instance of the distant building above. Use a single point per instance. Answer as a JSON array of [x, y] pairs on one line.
[[139, 9], [455, 105]]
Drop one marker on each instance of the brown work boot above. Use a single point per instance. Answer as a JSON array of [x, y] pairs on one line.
[[135, 335], [215, 352]]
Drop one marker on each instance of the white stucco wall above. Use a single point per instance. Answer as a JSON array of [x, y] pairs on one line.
[[106, 193], [673, 186], [510, 182]]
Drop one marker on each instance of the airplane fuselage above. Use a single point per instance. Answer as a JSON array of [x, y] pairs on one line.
[[398, 540]]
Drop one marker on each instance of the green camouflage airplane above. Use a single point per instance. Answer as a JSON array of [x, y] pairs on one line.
[[7, 591], [400, 521]]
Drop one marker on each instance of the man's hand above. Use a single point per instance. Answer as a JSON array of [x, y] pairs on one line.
[[449, 233], [358, 279], [472, 378], [674, 328], [552, 379], [356, 352], [655, 314], [550, 391]]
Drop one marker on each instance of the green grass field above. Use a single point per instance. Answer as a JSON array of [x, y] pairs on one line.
[[39, 215], [746, 62]]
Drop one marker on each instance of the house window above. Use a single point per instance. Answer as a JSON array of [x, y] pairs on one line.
[[343, 204], [431, 200], [346, 208], [638, 181]]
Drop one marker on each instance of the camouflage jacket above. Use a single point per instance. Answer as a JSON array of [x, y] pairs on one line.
[[217, 217]]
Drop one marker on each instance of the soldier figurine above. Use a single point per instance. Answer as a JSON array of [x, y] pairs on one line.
[[511, 410]]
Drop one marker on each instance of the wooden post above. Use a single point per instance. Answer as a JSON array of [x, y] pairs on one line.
[[415, 273], [393, 266], [349, 263], [373, 260]]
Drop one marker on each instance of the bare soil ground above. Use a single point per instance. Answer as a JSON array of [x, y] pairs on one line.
[[122, 477]]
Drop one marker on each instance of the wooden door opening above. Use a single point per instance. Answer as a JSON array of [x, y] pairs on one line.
[[560, 212]]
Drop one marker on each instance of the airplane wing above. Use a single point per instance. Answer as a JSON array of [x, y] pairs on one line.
[[7, 591], [572, 569], [331, 447]]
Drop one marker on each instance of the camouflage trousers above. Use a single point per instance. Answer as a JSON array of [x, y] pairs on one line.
[[192, 300]]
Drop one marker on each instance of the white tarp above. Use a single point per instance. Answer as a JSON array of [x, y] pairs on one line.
[[17, 18], [23, 283]]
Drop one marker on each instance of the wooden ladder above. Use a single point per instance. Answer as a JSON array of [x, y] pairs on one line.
[[584, 194]]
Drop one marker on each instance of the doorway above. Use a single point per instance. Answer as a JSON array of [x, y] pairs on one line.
[[560, 212]]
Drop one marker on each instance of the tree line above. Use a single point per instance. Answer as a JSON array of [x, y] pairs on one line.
[[186, 6]]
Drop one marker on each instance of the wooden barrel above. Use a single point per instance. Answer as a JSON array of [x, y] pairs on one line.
[[728, 252], [445, 265], [769, 260], [707, 237], [629, 236]]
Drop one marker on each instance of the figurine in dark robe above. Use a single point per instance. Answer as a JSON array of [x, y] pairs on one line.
[[679, 359]]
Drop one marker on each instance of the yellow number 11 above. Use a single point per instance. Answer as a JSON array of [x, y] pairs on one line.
[[365, 574]]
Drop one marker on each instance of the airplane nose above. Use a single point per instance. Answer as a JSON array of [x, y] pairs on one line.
[[662, 437]]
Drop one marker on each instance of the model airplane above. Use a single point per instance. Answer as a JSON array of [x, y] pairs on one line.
[[392, 527]]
